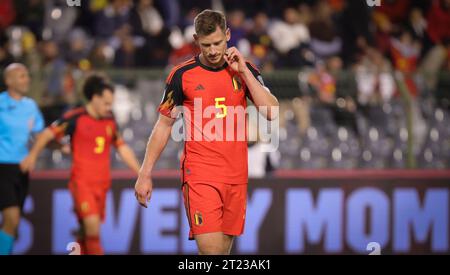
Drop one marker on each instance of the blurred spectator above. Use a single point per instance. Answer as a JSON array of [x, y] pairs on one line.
[[53, 68], [355, 29], [442, 91], [79, 46], [87, 13], [263, 158], [261, 45], [290, 37], [59, 20], [125, 56], [5, 59], [186, 46], [235, 21], [375, 82], [188, 20], [102, 55], [170, 10], [405, 52], [30, 14], [325, 41], [439, 33], [387, 18], [323, 84], [337, 5], [346, 94], [7, 14], [146, 19], [417, 24], [113, 20], [395, 11], [5, 56], [147, 22], [439, 21]]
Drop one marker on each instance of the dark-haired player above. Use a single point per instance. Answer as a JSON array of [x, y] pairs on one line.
[[92, 130]]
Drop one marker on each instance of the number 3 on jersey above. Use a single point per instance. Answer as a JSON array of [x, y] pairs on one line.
[[100, 145], [220, 105]]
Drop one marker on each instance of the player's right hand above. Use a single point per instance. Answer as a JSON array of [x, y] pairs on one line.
[[143, 190], [28, 164]]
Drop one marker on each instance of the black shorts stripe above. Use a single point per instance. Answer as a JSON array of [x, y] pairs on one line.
[[187, 205]]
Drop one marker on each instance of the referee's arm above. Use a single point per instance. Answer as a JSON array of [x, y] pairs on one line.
[[29, 162]]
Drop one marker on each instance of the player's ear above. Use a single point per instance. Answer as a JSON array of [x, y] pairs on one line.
[[228, 34], [195, 37]]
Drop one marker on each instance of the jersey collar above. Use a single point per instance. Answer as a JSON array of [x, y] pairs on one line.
[[197, 59]]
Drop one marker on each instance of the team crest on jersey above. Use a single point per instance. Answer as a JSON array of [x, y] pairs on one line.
[[198, 218], [237, 84]]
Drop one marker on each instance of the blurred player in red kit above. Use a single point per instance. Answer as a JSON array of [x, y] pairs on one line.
[[214, 172], [92, 130]]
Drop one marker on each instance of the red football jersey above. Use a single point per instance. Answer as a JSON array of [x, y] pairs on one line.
[[91, 141], [215, 147]]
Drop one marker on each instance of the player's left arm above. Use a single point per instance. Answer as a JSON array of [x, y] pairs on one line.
[[260, 94], [125, 152], [128, 157]]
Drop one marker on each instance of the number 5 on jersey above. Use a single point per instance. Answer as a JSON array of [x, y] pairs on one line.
[[220, 105]]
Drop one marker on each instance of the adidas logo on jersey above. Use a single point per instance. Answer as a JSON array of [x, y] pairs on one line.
[[199, 87]]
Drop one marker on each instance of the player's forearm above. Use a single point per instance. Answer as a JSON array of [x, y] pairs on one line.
[[156, 144], [261, 96], [129, 158], [41, 141]]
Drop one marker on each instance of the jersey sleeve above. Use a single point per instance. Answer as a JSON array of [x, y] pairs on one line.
[[173, 95], [64, 126], [257, 75], [117, 139]]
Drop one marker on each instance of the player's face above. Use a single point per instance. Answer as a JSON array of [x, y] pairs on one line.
[[18, 80], [103, 104], [213, 46]]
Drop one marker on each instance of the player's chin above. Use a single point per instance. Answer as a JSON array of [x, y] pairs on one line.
[[215, 60]]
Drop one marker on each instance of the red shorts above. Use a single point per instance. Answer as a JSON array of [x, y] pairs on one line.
[[215, 207], [88, 200]]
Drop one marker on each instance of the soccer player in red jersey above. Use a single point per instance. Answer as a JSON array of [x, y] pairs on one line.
[[214, 170], [92, 130]]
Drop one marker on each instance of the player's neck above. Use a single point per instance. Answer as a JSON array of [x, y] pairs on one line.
[[15, 95], [205, 62], [90, 110]]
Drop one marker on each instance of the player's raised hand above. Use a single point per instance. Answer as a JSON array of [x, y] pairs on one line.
[[143, 190], [235, 60]]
